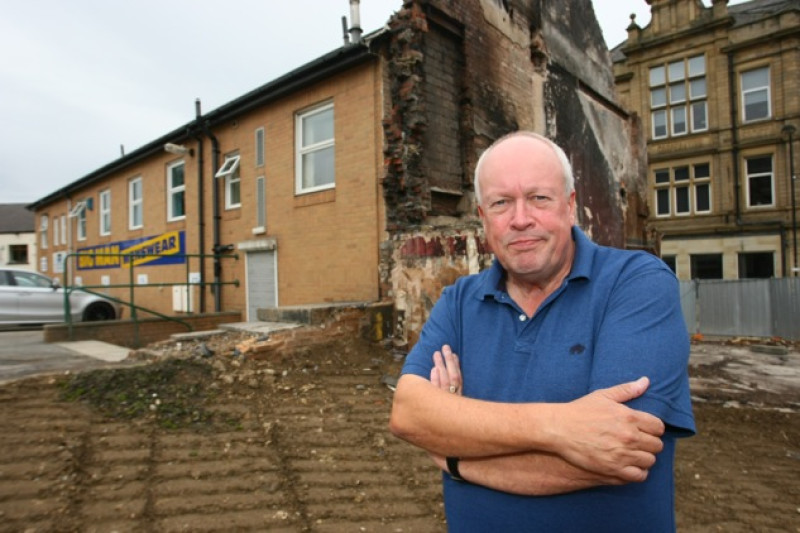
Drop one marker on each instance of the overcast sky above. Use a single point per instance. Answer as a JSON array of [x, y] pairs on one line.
[[80, 78]]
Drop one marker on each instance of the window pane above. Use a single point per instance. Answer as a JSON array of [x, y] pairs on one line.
[[681, 173], [662, 202], [703, 170], [756, 265], [682, 200], [760, 190], [697, 88], [235, 197], [676, 71], [318, 168], [678, 120], [755, 79], [178, 205], [659, 124], [677, 92], [259, 147], [318, 127], [706, 266], [756, 105], [670, 261], [657, 76], [697, 66], [658, 97], [176, 176], [759, 165], [699, 121], [702, 198], [662, 175]]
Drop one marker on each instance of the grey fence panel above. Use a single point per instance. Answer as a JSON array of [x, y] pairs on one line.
[[743, 308], [785, 293], [688, 290], [738, 308]]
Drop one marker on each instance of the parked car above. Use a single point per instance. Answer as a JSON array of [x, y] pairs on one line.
[[31, 298]]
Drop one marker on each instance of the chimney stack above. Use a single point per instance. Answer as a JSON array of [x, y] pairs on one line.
[[355, 22]]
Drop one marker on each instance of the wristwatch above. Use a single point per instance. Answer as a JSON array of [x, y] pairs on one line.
[[452, 467]]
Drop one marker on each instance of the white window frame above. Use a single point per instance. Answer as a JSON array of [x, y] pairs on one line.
[[229, 171], [307, 150], [675, 81], [175, 190], [80, 218], [63, 220], [746, 92], [691, 184], [104, 199], [44, 224], [135, 204], [261, 206], [56, 235], [771, 175], [260, 147]]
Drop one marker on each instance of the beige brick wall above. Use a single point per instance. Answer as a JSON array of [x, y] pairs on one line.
[[327, 242]]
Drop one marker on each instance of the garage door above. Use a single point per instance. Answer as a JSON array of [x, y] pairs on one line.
[[262, 286]]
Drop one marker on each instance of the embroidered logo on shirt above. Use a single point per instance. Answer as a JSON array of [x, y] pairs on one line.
[[577, 349]]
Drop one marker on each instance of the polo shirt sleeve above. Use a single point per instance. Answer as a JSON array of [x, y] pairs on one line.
[[643, 333], [438, 330]]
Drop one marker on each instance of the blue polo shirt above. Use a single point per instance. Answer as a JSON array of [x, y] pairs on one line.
[[616, 318]]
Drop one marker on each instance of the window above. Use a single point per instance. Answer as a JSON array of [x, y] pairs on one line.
[[44, 223], [756, 265], [176, 192], [230, 172], [678, 97], [683, 190], [56, 236], [81, 223], [261, 203], [135, 198], [105, 212], [670, 261], [755, 94], [259, 147], [18, 254], [315, 150], [63, 220], [759, 181], [706, 266]]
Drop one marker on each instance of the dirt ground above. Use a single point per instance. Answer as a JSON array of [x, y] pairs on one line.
[[299, 442]]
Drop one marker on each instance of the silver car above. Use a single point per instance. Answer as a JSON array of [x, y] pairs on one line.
[[31, 298]]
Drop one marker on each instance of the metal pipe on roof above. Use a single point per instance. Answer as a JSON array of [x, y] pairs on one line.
[[355, 22]]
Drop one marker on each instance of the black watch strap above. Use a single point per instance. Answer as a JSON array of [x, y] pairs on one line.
[[452, 467]]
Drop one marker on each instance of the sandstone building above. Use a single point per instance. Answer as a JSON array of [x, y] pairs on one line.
[[718, 92]]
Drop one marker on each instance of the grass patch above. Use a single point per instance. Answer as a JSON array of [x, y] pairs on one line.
[[173, 392]]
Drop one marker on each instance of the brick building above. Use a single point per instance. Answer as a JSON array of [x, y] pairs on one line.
[[350, 178], [717, 91], [17, 237]]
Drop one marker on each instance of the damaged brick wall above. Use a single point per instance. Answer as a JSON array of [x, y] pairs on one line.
[[462, 73]]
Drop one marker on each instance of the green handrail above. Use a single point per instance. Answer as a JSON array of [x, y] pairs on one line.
[[69, 289]]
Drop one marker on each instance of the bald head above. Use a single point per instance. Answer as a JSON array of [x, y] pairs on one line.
[[569, 180]]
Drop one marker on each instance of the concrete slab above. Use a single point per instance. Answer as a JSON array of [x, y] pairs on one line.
[[98, 350], [259, 328]]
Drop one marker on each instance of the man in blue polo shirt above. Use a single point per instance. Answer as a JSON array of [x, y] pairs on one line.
[[562, 408]]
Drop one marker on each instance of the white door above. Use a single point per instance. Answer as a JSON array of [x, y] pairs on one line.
[[262, 286]]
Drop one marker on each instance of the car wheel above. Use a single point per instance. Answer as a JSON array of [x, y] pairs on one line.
[[98, 311]]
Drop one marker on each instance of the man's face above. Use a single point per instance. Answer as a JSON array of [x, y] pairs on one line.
[[526, 212]]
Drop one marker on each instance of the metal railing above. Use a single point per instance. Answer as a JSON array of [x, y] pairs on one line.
[[129, 261]]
